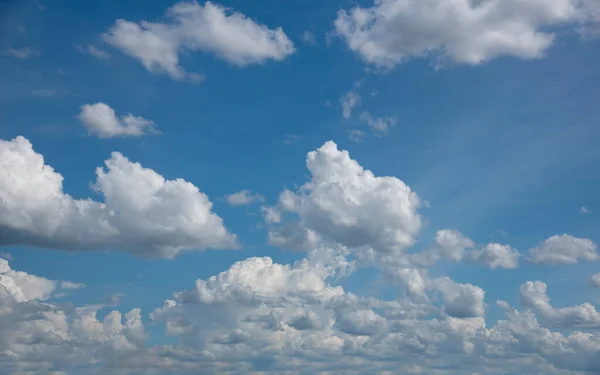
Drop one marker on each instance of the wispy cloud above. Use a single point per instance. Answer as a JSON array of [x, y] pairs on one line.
[[93, 51], [356, 135], [19, 53], [585, 210]]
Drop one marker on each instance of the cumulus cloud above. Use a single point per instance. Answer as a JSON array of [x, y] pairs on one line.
[[495, 255], [348, 101], [243, 198], [209, 28], [458, 31], [261, 316], [533, 296], [460, 300], [564, 249], [101, 120], [142, 213], [451, 244], [347, 204], [23, 286]]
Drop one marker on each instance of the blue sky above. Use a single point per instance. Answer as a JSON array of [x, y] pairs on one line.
[[487, 113]]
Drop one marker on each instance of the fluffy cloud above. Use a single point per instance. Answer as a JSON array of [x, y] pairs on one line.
[[23, 286], [260, 316], [142, 213], [347, 204], [458, 31], [451, 244], [533, 295], [243, 198], [494, 256], [460, 300], [209, 28], [564, 249], [100, 119]]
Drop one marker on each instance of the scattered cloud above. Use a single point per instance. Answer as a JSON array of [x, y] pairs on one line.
[[564, 249], [69, 285], [101, 120], [142, 213], [243, 198], [347, 204], [495, 255], [533, 296], [291, 139], [461, 32], [308, 38], [19, 53], [380, 126], [94, 51], [349, 101], [209, 28], [584, 210], [356, 135]]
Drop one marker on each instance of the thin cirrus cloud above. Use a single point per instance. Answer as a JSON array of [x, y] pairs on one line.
[[101, 120], [19, 53], [209, 28], [460, 31], [142, 213]]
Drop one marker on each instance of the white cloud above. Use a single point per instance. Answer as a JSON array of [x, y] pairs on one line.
[[142, 213], [209, 28], [533, 296], [23, 286], [259, 316], [94, 51], [19, 53], [452, 244], [459, 31], [243, 198], [308, 37], [595, 280], [460, 300], [347, 204], [69, 285], [564, 249], [101, 120], [356, 135], [495, 255], [349, 100], [584, 210], [380, 126]]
